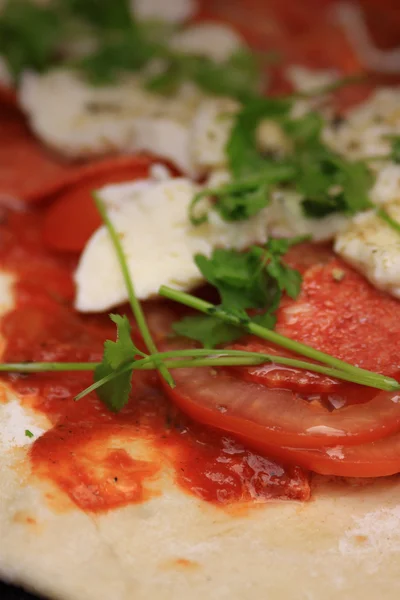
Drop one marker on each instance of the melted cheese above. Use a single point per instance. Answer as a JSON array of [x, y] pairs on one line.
[[79, 120], [176, 11], [364, 131], [287, 219], [373, 248], [213, 40], [158, 241]]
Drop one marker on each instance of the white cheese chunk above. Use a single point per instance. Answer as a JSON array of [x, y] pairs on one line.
[[287, 219], [373, 248], [387, 184], [272, 139], [213, 40], [81, 120], [158, 240], [171, 11], [364, 131], [304, 79], [210, 132], [309, 80]]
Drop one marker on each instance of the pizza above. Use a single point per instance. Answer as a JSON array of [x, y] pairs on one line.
[[199, 296]]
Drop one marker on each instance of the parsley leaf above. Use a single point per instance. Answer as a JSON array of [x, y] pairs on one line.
[[254, 280], [236, 77], [395, 148], [102, 14], [243, 155], [245, 197], [29, 35], [28, 433], [208, 330], [287, 279], [115, 393]]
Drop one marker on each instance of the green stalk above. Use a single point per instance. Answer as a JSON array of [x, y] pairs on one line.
[[45, 367], [368, 377], [230, 358], [134, 302], [381, 212], [331, 87]]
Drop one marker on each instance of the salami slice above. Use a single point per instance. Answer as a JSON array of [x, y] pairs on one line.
[[31, 173], [340, 313]]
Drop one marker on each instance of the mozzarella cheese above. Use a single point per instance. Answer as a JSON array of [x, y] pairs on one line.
[[159, 242], [310, 80], [210, 132], [80, 120], [172, 11], [387, 184], [364, 131], [373, 248], [287, 219], [213, 40], [271, 138]]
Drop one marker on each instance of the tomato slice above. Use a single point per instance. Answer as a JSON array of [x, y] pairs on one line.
[[267, 417], [73, 217], [377, 459]]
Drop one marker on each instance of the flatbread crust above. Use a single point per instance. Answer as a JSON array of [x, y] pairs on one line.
[[342, 544]]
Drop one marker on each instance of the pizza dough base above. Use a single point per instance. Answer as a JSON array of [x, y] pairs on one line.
[[343, 544]]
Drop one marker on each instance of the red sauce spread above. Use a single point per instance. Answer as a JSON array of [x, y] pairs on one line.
[[103, 460]]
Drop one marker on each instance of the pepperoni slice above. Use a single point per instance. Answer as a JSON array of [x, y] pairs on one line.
[[8, 96], [274, 375], [27, 171], [340, 313], [73, 217], [30, 172]]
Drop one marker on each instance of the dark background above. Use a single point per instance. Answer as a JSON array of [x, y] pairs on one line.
[[9, 592]]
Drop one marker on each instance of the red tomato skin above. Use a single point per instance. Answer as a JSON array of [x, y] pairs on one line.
[[267, 417], [73, 217], [376, 459]]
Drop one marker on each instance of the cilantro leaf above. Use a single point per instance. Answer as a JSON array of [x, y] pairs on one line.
[[240, 281], [239, 206], [306, 129], [115, 393], [208, 330], [395, 148], [236, 77], [103, 14], [243, 155], [242, 198], [29, 35], [254, 280]]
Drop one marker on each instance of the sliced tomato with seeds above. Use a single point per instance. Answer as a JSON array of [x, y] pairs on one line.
[[377, 459]]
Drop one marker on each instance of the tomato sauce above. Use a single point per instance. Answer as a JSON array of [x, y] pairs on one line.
[[103, 460]]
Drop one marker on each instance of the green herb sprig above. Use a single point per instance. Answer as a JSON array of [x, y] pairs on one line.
[[112, 377], [367, 377]]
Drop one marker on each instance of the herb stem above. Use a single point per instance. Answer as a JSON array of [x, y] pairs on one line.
[[383, 214], [367, 377], [134, 302], [331, 87], [42, 367]]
